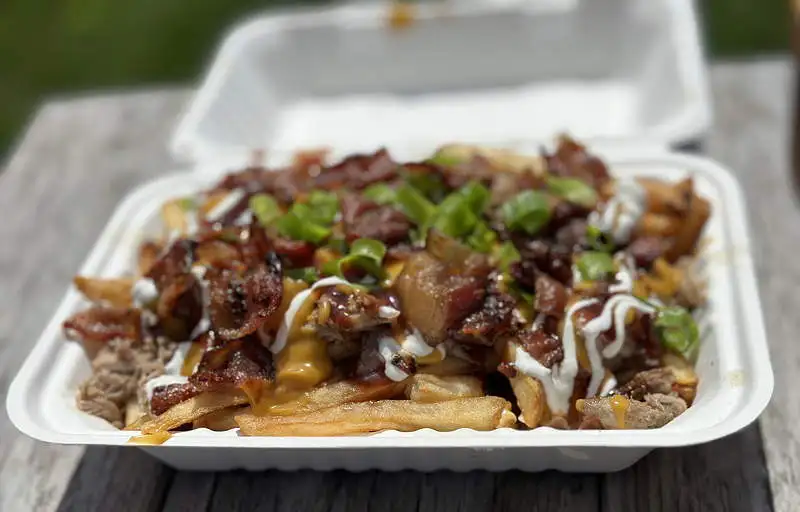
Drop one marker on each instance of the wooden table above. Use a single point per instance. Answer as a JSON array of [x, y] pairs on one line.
[[79, 157]]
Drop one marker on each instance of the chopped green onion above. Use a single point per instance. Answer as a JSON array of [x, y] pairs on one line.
[[595, 266], [574, 191], [677, 330], [307, 274], [445, 158], [454, 217], [365, 253], [505, 255], [482, 238], [299, 224], [323, 206], [265, 208], [430, 184], [187, 204], [338, 244], [476, 196], [598, 240], [415, 205], [527, 211], [380, 193]]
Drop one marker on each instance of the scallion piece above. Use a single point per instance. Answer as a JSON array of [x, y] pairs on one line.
[[323, 206], [528, 211], [598, 240], [380, 193], [482, 238], [574, 191], [365, 254], [505, 255], [595, 266], [677, 330], [299, 224], [265, 208], [415, 205], [307, 274]]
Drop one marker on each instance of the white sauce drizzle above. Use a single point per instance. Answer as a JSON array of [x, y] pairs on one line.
[[172, 371], [558, 381], [294, 307], [615, 310], [244, 219], [415, 345], [228, 202], [388, 348], [621, 212], [388, 312], [144, 292], [204, 323], [608, 386]]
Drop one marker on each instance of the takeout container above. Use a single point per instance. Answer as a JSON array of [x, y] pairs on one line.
[[510, 76]]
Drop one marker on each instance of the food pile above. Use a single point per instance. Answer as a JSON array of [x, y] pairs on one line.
[[475, 289]]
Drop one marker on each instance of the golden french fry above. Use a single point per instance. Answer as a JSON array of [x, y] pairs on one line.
[[449, 366], [148, 255], [658, 224], [690, 229], [529, 392], [154, 439], [433, 388], [220, 421], [173, 215], [503, 159], [484, 413], [332, 395], [194, 408], [681, 369], [114, 292], [666, 197]]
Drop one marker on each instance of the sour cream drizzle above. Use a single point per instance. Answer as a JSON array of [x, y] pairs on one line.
[[172, 371], [204, 323], [621, 212], [558, 381], [412, 344], [294, 307]]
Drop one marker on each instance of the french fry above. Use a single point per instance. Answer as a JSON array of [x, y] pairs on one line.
[[449, 366], [665, 197], [190, 410], [148, 255], [691, 228], [173, 216], [114, 292], [219, 421], [484, 413], [433, 388], [529, 392], [332, 395]]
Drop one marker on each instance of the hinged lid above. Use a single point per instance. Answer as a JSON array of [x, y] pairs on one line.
[[498, 73]]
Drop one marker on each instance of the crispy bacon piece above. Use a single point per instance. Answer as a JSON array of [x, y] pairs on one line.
[[241, 303], [571, 160], [358, 171], [540, 256], [174, 262], [493, 319], [551, 296], [436, 294], [542, 346], [242, 363], [103, 324], [295, 253], [366, 219]]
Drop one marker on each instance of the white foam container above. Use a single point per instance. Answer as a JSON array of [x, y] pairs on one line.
[[499, 74], [489, 72], [735, 374]]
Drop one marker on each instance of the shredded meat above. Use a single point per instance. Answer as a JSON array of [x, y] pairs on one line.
[[358, 171], [118, 370], [656, 410]]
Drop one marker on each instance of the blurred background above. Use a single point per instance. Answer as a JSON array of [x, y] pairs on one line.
[[53, 47]]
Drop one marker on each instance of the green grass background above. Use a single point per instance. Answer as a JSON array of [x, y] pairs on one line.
[[61, 46]]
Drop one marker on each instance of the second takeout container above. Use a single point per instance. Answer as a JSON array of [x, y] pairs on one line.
[[505, 76]]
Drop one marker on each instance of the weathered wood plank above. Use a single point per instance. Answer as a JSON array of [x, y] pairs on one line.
[[118, 479], [728, 475], [189, 492], [751, 135], [70, 170]]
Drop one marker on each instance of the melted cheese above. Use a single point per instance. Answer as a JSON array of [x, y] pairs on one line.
[[619, 406], [153, 439]]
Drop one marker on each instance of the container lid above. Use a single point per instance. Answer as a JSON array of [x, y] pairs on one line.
[[500, 74]]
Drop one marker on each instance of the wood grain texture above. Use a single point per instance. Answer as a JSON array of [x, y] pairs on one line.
[[751, 135], [70, 170], [122, 138]]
